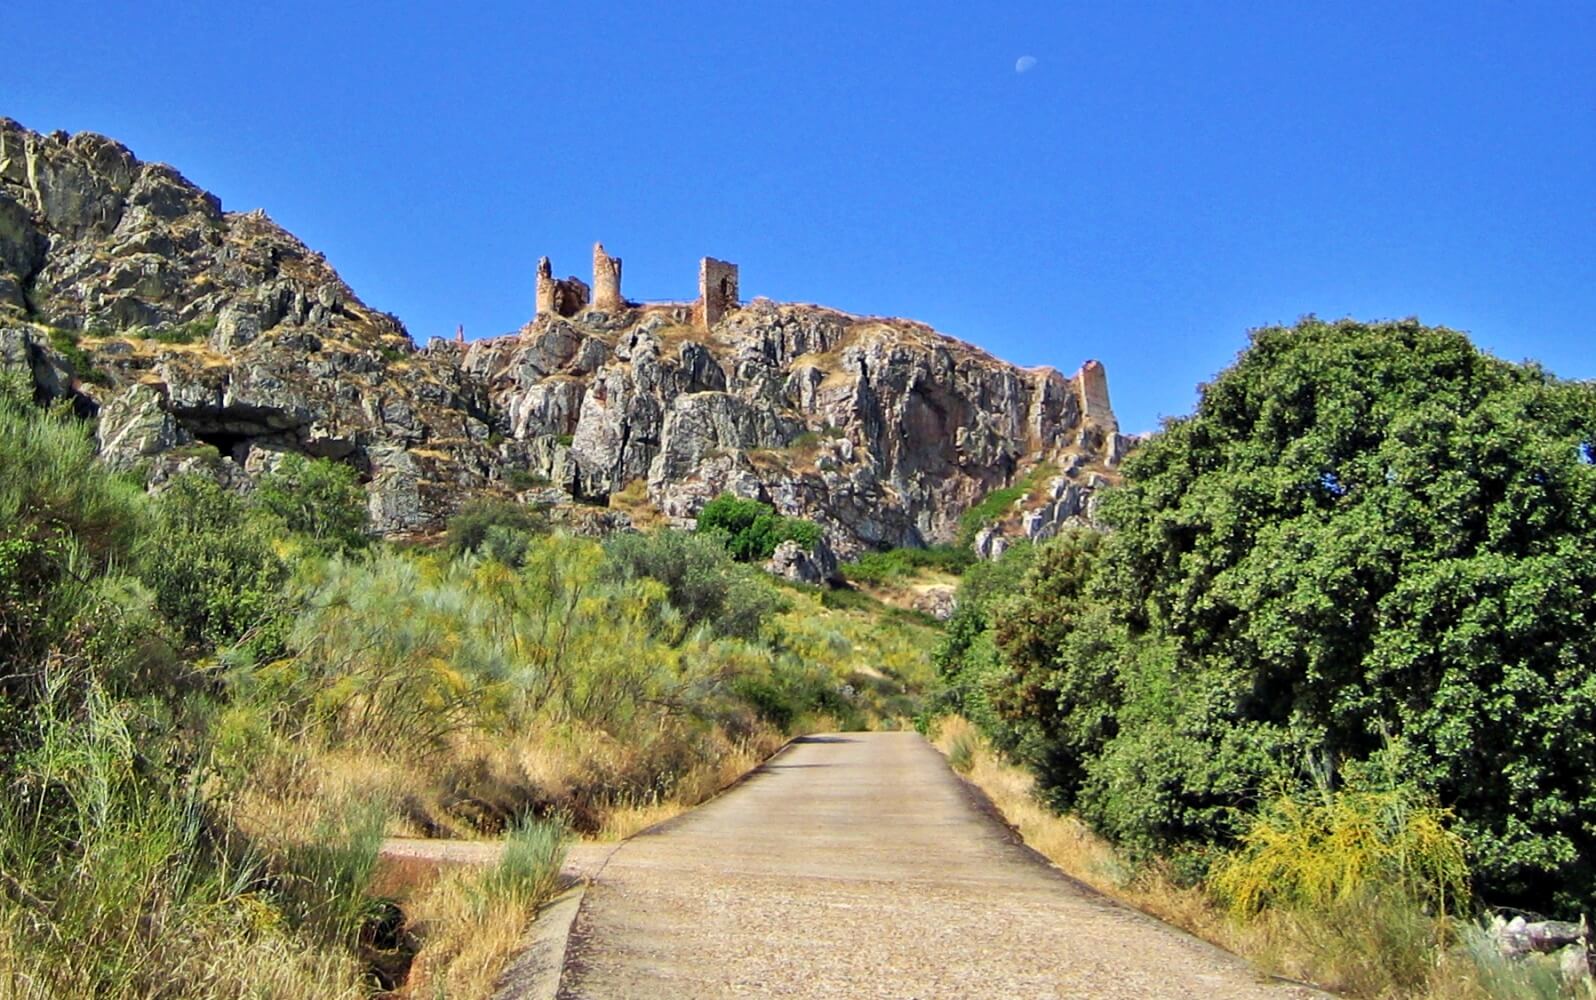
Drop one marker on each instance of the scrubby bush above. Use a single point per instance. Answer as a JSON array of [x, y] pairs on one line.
[[702, 581], [468, 529], [1313, 849], [64, 521], [752, 530], [317, 498], [211, 565]]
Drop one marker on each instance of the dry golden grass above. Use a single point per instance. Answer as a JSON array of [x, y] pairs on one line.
[[1372, 948], [700, 785], [466, 950], [1074, 848], [473, 920], [634, 501], [904, 592]]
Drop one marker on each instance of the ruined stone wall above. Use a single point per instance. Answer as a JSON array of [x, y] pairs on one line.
[[1092, 384], [717, 291], [606, 281], [560, 297]]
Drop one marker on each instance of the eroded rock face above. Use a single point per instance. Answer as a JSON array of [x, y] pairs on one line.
[[207, 329]]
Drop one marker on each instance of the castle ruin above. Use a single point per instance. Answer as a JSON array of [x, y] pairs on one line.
[[563, 296], [606, 281], [1091, 382], [717, 290]]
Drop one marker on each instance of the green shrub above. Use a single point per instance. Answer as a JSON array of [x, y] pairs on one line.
[[752, 530], [506, 544], [211, 565], [81, 362], [525, 479], [791, 689], [895, 564], [317, 498], [468, 530], [185, 333], [701, 581]]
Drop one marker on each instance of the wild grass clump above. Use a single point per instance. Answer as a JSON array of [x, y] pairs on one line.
[[1475, 969], [115, 883], [528, 871], [961, 749], [474, 920]]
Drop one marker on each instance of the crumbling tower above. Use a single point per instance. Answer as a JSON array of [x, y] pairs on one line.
[[606, 281], [717, 291], [561, 297], [1092, 384]]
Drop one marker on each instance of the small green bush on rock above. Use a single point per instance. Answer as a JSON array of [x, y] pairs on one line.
[[752, 530]]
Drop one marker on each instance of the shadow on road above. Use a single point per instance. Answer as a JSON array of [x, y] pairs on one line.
[[824, 739]]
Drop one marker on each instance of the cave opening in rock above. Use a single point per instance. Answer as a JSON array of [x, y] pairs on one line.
[[230, 444]]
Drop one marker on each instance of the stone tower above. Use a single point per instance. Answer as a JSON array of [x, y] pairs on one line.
[[1092, 384], [717, 291], [606, 281], [563, 296]]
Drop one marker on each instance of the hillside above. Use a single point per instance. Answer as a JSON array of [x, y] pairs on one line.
[[216, 341]]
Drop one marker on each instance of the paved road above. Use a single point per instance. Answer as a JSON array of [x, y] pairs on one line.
[[859, 866]]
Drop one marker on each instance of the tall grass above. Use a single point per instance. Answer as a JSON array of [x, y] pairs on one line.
[[473, 921], [115, 885]]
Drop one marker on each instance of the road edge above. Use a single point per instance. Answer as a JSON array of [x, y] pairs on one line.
[[982, 802], [538, 969]]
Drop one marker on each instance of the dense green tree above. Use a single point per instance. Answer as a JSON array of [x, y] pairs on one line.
[[966, 657], [1362, 530]]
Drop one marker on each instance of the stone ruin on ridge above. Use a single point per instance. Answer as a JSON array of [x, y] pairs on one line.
[[561, 297], [717, 290]]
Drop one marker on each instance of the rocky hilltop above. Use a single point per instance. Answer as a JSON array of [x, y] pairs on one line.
[[215, 341]]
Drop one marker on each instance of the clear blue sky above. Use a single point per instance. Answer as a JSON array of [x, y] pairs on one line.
[[1163, 178]]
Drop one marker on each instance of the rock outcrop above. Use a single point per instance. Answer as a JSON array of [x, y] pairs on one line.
[[216, 340]]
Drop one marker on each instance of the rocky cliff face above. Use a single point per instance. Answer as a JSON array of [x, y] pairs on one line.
[[216, 341]]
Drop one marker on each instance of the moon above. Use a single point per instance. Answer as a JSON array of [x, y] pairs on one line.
[[1024, 64]]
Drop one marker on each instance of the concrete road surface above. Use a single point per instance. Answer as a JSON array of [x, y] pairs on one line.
[[858, 865]]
